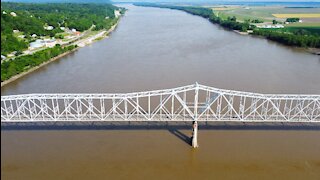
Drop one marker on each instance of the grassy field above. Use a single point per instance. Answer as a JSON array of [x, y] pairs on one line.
[[224, 8], [265, 13], [310, 16], [296, 15], [303, 25]]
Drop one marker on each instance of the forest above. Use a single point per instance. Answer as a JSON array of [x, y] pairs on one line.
[[31, 18]]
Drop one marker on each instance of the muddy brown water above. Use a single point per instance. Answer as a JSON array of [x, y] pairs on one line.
[[160, 48]]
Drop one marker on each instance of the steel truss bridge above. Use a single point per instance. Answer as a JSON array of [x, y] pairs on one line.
[[188, 103]]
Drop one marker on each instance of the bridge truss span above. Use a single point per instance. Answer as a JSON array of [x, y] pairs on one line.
[[188, 103]]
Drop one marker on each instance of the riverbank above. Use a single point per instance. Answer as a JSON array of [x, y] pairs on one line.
[[243, 28], [315, 51], [80, 43], [13, 78]]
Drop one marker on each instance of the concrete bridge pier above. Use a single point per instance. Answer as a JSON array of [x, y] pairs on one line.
[[195, 135]]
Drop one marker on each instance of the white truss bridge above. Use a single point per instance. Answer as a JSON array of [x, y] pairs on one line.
[[188, 103]]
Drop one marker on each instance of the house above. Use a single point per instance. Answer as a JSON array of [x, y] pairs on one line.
[[42, 43], [33, 35], [271, 26], [49, 28], [36, 44], [116, 13], [13, 14], [22, 36], [15, 31], [50, 42], [3, 57], [26, 52], [77, 33], [12, 54], [278, 26], [3, 12]]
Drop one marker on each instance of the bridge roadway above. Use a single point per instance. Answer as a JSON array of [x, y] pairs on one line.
[[188, 103]]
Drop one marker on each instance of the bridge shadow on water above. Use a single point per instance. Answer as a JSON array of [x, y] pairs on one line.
[[172, 127]]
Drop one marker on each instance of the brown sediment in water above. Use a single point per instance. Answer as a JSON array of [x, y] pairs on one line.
[[15, 77], [159, 154]]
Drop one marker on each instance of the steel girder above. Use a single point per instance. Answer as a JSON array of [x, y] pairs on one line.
[[188, 103]]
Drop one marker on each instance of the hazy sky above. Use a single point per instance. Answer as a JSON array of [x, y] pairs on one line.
[[217, 0], [174, 1]]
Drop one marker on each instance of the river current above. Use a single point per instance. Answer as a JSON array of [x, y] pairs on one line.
[[160, 48]]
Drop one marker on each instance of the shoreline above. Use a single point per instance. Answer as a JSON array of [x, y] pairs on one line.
[[18, 76], [314, 51]]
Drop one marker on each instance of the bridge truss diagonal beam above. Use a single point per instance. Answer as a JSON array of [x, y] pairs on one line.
[[187, 103]]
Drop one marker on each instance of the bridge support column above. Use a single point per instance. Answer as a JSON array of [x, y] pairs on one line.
[[195, 135]]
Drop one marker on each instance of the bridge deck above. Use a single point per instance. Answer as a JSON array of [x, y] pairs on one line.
[[188, 103]]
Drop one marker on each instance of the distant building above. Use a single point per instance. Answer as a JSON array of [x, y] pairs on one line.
[[267, 26], [12, 54], [13, 14], [36, 44], [62, 28], [15, 31], [33, 35], [116, 13], [77, 33], [3, 12], [48, 28], [279, 26], [21, 36], [73, 30], [26, 52], [49, 42], [3, 57], [42, 43]]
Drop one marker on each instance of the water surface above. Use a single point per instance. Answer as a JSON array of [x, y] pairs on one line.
[[156, 48], [160, 48]]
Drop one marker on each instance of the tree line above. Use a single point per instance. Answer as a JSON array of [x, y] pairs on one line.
[[31, 19], [299, 38], [229, 23], [24, 63], [291, 39]]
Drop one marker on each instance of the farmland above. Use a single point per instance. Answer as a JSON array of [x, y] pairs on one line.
[[298, 15], [310, 17], [268, 13]]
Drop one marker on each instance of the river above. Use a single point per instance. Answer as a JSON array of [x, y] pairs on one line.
[[156, 48]]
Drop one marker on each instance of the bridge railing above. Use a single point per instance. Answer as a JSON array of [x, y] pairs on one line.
[[187, 103]]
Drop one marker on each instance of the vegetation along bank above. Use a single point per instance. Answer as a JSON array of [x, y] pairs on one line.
[[291, 37], [32, 34]]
